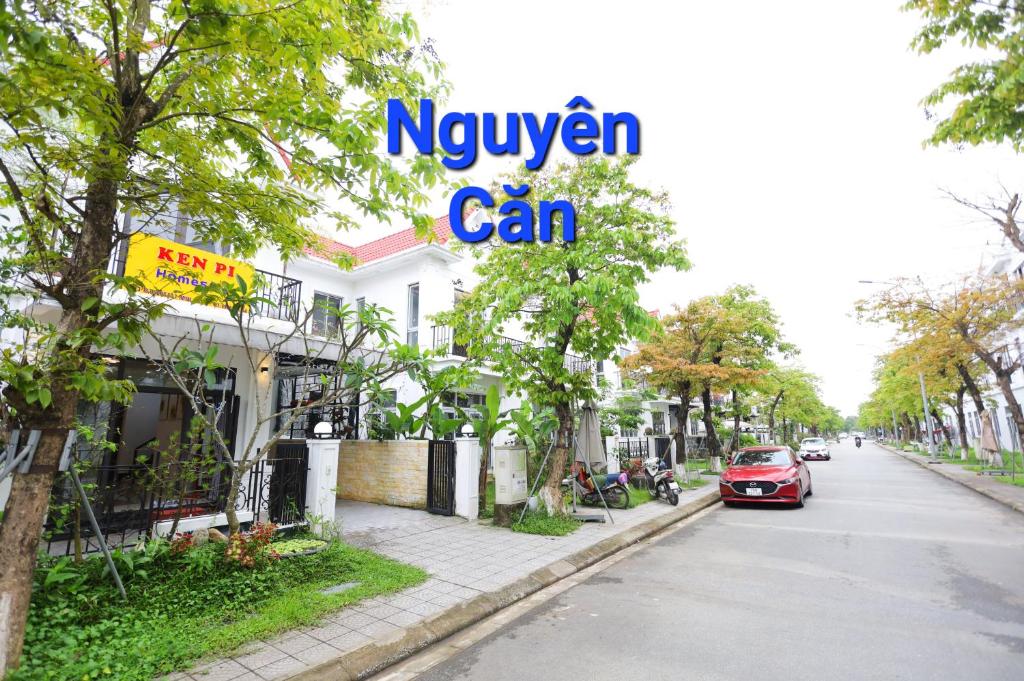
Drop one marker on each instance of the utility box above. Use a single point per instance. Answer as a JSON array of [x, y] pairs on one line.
[[510, 483]]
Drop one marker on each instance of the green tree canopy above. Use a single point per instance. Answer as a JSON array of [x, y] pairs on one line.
[[573, 301]]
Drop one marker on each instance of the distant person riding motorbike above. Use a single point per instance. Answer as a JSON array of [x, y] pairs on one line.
[[856, 441]]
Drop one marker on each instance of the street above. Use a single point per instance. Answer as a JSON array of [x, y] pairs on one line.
[[889, 572]]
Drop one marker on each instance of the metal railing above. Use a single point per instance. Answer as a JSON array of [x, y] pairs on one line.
[[282, 296], [130, 500], [444, 339]]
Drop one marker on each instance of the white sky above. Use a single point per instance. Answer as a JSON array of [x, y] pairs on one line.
[[788, 134]]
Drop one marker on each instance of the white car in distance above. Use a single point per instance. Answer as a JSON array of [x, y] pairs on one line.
[[814, 449]]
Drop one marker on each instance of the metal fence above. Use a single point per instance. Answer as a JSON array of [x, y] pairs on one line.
[[131, 501]]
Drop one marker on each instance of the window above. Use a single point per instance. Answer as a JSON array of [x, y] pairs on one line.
[[779, 457], [413, 325], [326, 315], [658, 422], [360, 307]]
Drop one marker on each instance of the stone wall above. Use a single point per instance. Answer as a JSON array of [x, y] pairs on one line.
[[389, 472]]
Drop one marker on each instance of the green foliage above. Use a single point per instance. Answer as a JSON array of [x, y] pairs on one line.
[[79, 628], [490, 421], [569, 298], [539, 522], [986, 93]]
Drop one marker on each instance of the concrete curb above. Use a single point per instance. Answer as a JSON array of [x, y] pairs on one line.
[[373, 657], [966, 482]]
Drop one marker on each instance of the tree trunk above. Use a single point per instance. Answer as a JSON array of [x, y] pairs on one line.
[[941, 427], [22, 526], [714, 446], [682, 423], [481, 481], [734, 442], [551, 494], [961, 422], [771, 416], [1003, 381]]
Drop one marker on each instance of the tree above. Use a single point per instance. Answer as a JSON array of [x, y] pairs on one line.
[[980, 312], [785, 383], [573, 300], [133, 107], [988, 92], [676, 360], [486, 427]]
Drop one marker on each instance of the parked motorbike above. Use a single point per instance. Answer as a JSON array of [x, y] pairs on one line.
[[612, 488], [660, 480], [857, 442]]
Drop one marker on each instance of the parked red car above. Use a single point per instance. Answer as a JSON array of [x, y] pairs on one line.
[[765, 474]]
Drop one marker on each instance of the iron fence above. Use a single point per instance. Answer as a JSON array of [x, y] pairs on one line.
[[131, 501]]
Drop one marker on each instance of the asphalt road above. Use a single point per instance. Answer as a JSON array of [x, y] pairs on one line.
[[889, 572]]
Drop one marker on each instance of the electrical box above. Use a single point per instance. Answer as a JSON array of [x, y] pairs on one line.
[[510, 484]]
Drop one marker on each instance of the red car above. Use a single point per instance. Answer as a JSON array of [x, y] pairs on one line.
[[765, 474]]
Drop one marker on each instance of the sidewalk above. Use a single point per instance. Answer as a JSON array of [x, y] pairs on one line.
[[475, 571], [1008, 495]]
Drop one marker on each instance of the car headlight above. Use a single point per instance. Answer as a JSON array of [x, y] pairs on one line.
[[787, 481]]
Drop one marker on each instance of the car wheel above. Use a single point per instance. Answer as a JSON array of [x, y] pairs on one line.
[[730, 504], [810, 491], [800, 499]]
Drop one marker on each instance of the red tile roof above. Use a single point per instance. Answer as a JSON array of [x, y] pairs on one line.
[[383, 247]]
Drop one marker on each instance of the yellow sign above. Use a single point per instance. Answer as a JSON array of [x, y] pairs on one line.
[[167, 268]]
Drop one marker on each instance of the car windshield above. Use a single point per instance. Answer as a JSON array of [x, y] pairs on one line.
[[813, 441], [779, 457]]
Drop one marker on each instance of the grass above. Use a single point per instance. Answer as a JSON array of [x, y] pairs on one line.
[[180, 611], [973, 463], [539, 522]]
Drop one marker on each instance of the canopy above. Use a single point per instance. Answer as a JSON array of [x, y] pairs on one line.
[[589, 448]]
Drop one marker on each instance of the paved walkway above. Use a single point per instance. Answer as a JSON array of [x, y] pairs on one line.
[[989, 485], [465, 559]]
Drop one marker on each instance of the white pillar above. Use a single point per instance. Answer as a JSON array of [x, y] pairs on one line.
[[612, 454], [467, 474], [322, 478]]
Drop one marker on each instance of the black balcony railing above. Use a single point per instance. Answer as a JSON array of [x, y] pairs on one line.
[[444, 339], [282, 296], [578, 365], [633, 380]]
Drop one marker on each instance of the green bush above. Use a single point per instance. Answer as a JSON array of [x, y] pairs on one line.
[[183, 606]]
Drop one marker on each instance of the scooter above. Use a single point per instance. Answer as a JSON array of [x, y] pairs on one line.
[[857, 442], [660, 480], [612, 488]]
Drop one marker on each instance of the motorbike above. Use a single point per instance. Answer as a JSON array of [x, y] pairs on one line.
[[660, 480], [612, 488], [856, 441]]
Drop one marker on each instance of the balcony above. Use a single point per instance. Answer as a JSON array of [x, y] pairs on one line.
[[633, 380], [444, 339], [283, 297]]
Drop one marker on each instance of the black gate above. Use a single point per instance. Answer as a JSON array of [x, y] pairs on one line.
[[286, 500], [663, 449], [441, 477]]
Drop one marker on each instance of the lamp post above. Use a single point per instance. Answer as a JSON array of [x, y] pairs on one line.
[[924, 394]]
